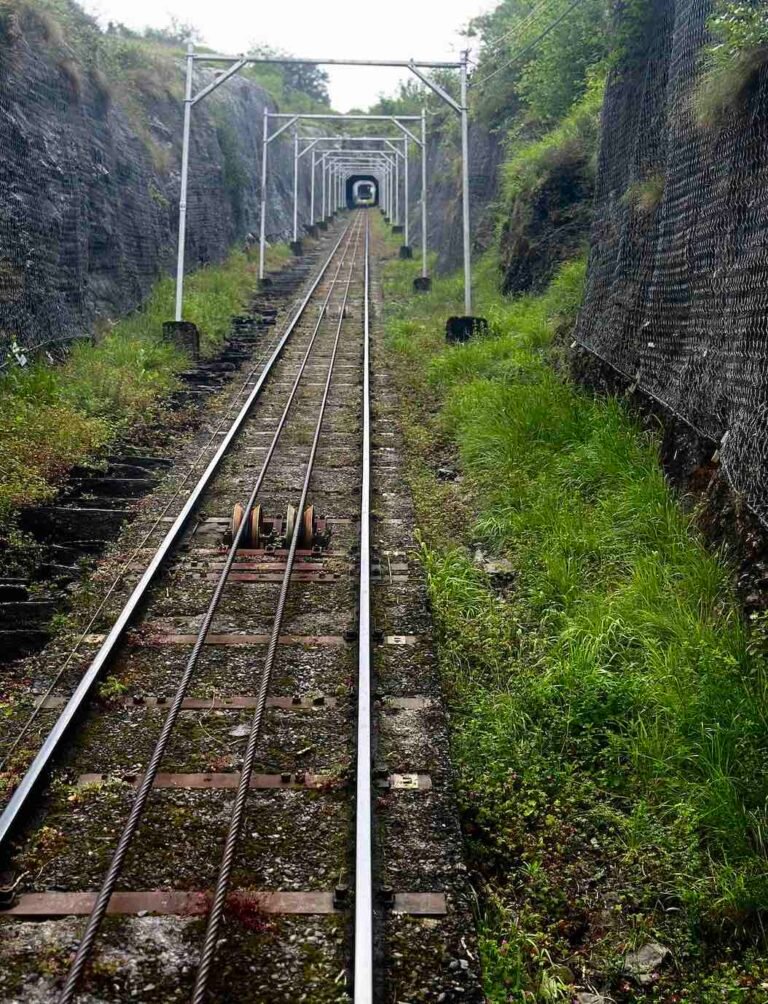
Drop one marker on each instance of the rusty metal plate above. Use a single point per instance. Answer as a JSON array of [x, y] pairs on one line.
[[330, 641], [410, 782], [165, 902], [421, 904], [214, 703], [223, 781]]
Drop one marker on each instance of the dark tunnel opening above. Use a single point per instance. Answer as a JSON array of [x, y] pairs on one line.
[[362, 190]]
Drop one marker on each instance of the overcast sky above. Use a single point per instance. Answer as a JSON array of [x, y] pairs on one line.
[[394, 29]]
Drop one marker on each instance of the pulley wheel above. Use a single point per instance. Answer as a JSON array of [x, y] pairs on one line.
[[255, 526], [237, 519], [290, 524], [308, 527]]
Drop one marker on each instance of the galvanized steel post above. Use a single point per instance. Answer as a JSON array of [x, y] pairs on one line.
[[295, 185], [397, 191], [312, 192], [323, 170], [405, 194], [263, 222], [424, 193], [465, 186], [184, 181]]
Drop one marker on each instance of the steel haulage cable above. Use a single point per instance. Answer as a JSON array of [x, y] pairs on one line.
[[142, 796], [238, 811]]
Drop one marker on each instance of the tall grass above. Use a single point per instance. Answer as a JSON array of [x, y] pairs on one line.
[[53, 417], [610, 702]]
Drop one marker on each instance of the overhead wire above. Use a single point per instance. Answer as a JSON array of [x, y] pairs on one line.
[[526, 49], [518, 26]]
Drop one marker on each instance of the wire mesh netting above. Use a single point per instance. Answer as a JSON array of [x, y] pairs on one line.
[[677, 287]]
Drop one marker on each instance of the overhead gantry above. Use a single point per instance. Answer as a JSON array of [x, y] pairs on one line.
[[333, 156], [421, 69]]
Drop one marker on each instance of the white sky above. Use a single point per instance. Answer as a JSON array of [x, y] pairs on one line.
[[351, 29]]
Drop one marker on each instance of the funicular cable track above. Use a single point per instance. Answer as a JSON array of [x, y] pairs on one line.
[[342, 279]]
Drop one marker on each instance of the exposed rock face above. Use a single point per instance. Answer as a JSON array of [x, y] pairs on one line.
[[89, 183], [546, 228], [444, 211]]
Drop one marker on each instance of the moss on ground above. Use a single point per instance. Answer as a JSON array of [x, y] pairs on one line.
[[607, 697]]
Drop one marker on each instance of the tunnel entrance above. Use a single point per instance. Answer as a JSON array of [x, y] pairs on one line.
[[362, 190]]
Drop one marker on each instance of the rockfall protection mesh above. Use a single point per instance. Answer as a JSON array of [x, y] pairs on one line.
[[677, 292]]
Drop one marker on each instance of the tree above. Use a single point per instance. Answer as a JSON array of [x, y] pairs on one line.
[[298, 78]]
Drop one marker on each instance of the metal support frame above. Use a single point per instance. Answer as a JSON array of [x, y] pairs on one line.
[[418, 67], [302, 145], [321, 157], [379, 163]]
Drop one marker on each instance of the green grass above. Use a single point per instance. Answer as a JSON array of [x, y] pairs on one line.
[[573, 139], [732, 61], [609, 702], [53, 417]]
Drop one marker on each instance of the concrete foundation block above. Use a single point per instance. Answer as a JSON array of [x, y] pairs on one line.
[[422, 283], [406, 251], [461, 329], [297, 248], [184, 335]]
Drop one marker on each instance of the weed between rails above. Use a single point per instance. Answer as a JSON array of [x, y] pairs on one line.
[[609, 703]]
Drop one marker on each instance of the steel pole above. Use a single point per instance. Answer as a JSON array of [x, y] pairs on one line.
[[465, 187], [295, 185], [405, 193], [424, 193], [363, 973], [263, 223], [312, 192], [184, 182], [324, 160], [397, 191]]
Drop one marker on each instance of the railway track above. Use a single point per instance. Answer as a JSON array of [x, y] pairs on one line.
[[208, 834]]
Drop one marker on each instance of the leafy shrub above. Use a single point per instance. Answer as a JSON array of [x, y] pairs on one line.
[[573, 139], [644, 196], [737, 54]]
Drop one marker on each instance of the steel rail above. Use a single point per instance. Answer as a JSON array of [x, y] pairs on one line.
[[20, 799], [216, 914], [363, 974], [148, 778]]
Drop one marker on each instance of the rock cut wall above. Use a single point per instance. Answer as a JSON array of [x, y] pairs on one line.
[[90, 175], [677, 288]]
